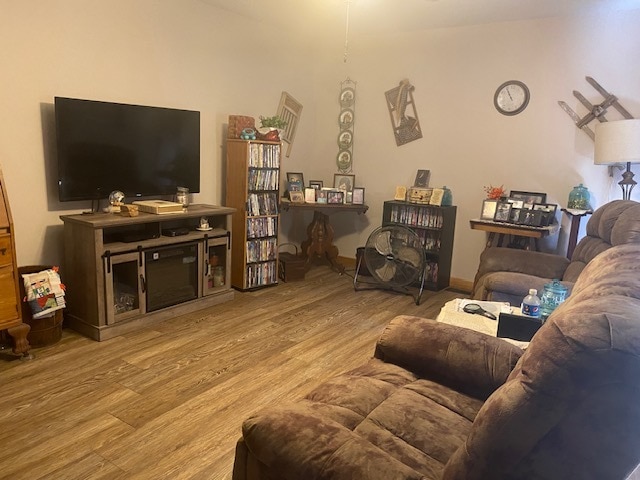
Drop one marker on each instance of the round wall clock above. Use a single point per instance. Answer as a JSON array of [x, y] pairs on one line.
[[511, 97]]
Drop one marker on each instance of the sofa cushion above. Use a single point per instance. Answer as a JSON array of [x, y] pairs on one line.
[[378, 416]]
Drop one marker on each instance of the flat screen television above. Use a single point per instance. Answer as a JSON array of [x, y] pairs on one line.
[[142, 151]]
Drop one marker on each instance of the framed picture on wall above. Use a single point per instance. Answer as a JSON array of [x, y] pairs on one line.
[[317, 184]]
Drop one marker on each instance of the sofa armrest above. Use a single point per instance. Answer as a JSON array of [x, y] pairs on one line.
[[538, 264], [292, 442], [463, 359]]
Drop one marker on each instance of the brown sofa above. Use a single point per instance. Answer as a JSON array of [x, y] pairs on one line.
[[442, 402], [506, 274]]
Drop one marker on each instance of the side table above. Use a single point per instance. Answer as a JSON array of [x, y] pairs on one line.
[[576, 216], [452, 314], [532, 234], [319, 242]]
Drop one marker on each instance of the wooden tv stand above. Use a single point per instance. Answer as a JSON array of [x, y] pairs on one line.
[[124, 273]]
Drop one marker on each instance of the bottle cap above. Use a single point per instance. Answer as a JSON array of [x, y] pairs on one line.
[[533, 291]]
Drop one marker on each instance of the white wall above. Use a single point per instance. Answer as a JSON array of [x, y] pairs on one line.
[[185, 54], [466, 144], [174, 53]]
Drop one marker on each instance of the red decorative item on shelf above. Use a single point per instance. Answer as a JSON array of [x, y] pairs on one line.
[[494, 193]]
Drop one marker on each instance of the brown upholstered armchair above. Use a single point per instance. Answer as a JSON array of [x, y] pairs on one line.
[[507, 274], [444, 402]]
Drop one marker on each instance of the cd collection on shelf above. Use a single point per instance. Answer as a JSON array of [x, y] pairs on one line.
[[262, 226], [263, 179], [415, 215], [259, 274], [262, 250], [262, 204], [264, 155]]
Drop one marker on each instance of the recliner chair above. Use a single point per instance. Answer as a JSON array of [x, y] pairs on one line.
[[506, 274]]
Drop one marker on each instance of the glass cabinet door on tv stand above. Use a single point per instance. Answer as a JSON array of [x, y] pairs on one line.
[[124, 290]]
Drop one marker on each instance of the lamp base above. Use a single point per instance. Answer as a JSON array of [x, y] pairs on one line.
[[627, 183]]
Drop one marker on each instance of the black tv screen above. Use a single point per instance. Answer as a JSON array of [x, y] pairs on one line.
[[142, 151]]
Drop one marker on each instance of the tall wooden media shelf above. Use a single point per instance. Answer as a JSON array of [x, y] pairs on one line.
[[435, 226], [253, 181], [123, 273]]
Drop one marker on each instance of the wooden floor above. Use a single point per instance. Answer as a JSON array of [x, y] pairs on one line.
[[168, 402]]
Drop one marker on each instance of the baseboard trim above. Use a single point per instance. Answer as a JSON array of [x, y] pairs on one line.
[[460, 284]]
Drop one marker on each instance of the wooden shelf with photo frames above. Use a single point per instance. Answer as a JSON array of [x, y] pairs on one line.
[[520, 208]]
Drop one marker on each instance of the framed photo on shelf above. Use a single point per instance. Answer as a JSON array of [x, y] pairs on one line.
[[310, 195], [488, 209], [422, 178], [296, 196], [358, 196], [335, 196], [401, 193], [516, 202], [515, 215], [343, 182], [321, 196], [503, 212], [295, 181], [317, 184], [528, 198], [548, 212], [532, 218]]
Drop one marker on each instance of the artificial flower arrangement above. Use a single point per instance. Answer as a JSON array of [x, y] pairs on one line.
[[495, 193]]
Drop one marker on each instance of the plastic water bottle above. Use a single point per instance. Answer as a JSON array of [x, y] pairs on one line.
[[531, 304]]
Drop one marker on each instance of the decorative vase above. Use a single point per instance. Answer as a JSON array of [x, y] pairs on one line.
[[447, 197], [269, 134], [579, 198]]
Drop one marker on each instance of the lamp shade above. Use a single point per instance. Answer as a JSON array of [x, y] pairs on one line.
[[617, 142]]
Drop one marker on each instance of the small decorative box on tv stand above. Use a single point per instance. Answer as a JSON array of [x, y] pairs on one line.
[[158, 206]]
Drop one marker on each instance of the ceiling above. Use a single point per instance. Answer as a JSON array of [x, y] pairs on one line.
[[373, 17]]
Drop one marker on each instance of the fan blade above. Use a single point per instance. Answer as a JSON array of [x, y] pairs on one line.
[[410, 255], [387, 271], [383, 243]]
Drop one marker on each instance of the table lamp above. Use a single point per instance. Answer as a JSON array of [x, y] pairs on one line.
[[619, 142]]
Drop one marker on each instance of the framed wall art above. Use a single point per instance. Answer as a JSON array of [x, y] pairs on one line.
[[346, 119]]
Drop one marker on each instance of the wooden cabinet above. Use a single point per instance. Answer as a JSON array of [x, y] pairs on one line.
[[435, 226], [10, 307], [123, 273], [253, 179]]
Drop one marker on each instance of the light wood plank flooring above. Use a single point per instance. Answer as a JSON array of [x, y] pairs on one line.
[[168, 401]]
